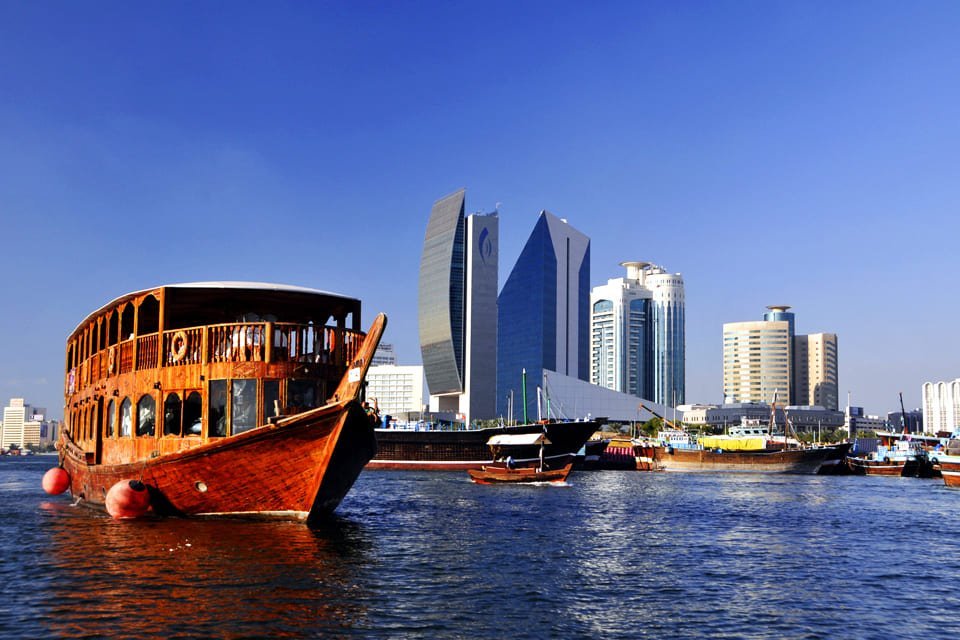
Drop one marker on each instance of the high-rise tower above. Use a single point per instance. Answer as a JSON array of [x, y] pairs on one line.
[[760, 358], [544, 314], [637, 334], [457, 309]]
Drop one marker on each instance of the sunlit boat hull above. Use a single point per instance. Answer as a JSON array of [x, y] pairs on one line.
[[898, 467], [298, 469], [798, 461], [949, 469]]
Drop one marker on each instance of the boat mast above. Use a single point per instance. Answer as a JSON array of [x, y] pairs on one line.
[[523, 388], [903, 414]]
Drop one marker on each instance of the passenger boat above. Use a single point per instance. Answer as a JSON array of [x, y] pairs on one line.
[[505, 469], [458, 450], [222, 398]]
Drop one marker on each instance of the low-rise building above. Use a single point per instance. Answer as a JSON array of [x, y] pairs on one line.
[[398, 390]]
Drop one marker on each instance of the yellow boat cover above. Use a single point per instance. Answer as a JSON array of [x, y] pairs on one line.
[[729, 443]]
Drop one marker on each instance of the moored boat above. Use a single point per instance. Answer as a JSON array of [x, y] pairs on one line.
[[747, 450], [449, 450], [800, 461], [220, 399]]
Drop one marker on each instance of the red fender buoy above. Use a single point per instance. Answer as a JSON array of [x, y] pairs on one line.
[[56, 481], [128, 499]]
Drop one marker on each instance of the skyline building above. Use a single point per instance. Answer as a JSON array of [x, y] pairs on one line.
[[398, 390], [457, 309], [815, 370], [385, 354], [669, 336], [637, 340], [756, 361], [765, 357], [941, 406], [24, 426], [544, 315]]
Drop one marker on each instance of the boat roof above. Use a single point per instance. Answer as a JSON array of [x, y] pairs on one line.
[[236, 285], [506, 439]]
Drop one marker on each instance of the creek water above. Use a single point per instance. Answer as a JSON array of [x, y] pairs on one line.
[[431, 555]]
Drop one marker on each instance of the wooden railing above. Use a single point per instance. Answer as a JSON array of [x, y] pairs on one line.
[[236, 342]]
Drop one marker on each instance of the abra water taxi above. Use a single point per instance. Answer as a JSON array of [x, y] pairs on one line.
[[505, 469], [217, 399]]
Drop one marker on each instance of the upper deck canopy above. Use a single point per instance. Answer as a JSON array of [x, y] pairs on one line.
[[194, 303]]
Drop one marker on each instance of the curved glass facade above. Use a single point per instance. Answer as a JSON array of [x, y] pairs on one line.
[[441, 301]]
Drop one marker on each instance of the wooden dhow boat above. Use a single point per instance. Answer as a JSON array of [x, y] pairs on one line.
[[743, 452], [504, 468], [217, 399], [948, 462]]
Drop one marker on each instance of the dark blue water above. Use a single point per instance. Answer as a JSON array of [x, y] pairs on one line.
[[430, 555]]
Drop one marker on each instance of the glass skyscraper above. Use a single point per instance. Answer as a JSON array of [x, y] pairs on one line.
[[457, 309], [637, 334], [544, 315]]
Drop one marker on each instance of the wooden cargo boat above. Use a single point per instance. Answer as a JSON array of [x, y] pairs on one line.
[[902, 466], [224, 399], [747, 451], [949, 464], [450, 450], [669, 458]]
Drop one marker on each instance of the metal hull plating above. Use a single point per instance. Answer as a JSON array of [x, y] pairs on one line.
[[462, 450]]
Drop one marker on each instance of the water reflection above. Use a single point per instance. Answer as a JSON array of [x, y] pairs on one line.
[[193, 577]]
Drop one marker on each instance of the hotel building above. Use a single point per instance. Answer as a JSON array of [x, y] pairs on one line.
[[637, 342], [756, 361], [764, 357], [544, 315], [457, 309]]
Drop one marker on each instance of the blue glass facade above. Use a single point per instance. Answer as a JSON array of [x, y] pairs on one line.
[[540, 325], [668, 354]]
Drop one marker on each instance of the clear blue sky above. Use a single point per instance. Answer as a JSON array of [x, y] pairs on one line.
[[801, 153]]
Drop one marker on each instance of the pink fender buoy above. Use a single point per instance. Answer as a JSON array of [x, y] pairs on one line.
[[128, 499], [56, 481]]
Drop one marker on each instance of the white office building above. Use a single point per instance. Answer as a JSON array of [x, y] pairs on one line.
[[398, 390], [22, 425], [941, 406]]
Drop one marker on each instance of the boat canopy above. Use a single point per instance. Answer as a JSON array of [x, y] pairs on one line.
[[518, 439]]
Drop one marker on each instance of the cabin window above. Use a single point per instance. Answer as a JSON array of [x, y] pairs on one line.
[[111, 419], [172, 414], [126, 418], [146, 416], [243, 410], [192, 411], [217, 409], [302, 395], [271, 399]]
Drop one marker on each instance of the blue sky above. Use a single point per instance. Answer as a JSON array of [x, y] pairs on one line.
[[800, 153]]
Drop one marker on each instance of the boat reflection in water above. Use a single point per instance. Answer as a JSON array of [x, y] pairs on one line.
[[198, 578]]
